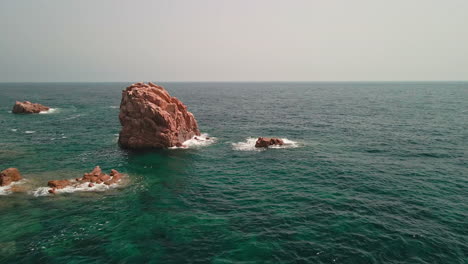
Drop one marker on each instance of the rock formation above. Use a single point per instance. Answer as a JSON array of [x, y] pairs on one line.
[[9, 175], [96, 176], [27, 107], [266, 142], [151, 118], [59, 184]]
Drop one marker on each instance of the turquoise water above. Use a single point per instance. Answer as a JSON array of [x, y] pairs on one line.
[[378, 174]]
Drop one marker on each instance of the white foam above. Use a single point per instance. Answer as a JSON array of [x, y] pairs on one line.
[[29, 131], [73, 117], [249, 145], [5, 190], [14, 129], [50, 111], [80, 187], [113, 106], [197, 141]]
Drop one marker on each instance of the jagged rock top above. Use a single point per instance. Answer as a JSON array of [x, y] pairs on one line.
[[27, 107], [151, 118]]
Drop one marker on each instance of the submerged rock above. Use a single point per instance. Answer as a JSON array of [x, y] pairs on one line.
[[151, 118], [266, 142], [9, 175], [27, 107]]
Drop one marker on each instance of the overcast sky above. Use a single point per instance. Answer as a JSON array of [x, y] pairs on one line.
[[238, 40]]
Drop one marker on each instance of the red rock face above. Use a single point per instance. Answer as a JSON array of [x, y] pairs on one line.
[[97, 176], [151, 118], [27, 107], [9, 175], [266, 142], [59, 184]]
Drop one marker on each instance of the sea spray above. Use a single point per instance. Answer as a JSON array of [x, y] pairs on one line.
[[50, 111], [197, 141]]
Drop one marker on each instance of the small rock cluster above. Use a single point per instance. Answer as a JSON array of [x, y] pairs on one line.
[[96, 176]]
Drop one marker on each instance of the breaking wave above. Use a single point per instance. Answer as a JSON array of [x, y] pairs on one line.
[[29, 131], [249, 145], [81, 187], [5, 190], [50, 111], [73, 116], [197, 141]]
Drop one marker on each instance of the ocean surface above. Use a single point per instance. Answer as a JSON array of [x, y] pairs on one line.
[[373, 173]]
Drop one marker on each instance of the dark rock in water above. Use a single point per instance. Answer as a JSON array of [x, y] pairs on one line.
[[27, 107], [151, 118], [266, 142], [9, 175]]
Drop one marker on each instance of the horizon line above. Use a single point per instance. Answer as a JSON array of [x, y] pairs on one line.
[[361, 81]]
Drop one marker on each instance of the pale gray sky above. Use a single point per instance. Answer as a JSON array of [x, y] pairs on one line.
[[238, 40]]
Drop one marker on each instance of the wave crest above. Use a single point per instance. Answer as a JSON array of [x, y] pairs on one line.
[[82, 187], [50, 111], [6, 190]]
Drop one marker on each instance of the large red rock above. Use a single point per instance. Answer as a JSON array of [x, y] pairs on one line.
[[151, 118], [9, 175], [266, 142], [27, 107]]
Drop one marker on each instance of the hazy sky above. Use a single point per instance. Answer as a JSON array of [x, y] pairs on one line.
[[238, 40]]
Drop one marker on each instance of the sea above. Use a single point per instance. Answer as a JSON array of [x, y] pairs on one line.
[[372, 172]]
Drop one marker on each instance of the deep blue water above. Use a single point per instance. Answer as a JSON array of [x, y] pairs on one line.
[[378, 174]]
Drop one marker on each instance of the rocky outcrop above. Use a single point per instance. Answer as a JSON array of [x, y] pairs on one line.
[[266, 142], [27, 107], [9, 175], [59, 184], [96, 176], [151, 118]]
